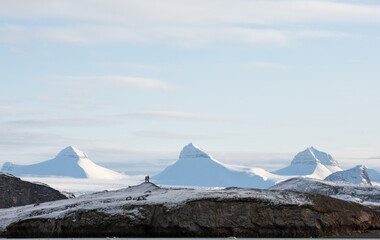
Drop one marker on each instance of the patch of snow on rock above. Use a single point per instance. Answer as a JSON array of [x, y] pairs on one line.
[[115, 202]]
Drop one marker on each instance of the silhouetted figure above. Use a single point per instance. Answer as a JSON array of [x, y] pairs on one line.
[[146, 178]]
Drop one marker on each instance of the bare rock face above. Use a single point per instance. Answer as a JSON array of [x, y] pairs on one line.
[[208, 217], [16, 192]]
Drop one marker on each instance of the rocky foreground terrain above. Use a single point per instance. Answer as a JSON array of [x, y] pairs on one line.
[[149, 211], [16, 192], [364, 194]]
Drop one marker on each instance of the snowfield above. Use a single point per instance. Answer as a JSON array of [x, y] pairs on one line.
[[114, 202], [80, 186]]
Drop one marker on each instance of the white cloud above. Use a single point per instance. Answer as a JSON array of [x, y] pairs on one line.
[[63, 122], [175, 115], [137, 82], [266, 65], [102, 120], [79, 103], [169, 135], [192, 11], [6, 109], [180, 23], [132, 66], [17, 138], [84, 83], [182, 36]]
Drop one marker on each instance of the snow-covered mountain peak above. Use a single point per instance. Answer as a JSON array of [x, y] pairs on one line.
[[70, 162], [312, 156], [195, 167], [311, 163], [357, 175], [71, 152], [305, 157], [193, 151]]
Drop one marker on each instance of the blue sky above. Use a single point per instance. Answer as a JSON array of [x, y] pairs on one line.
[[252, 82]]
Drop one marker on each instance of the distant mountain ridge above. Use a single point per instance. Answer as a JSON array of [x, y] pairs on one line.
[[195, 167], [70, 162]]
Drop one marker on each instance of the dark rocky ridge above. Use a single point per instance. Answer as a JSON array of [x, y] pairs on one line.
[[16, 192], [208, 217]]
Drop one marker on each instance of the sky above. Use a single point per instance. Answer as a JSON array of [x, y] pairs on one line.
[[132, 82]]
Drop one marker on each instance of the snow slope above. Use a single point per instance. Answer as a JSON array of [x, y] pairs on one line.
[[356, 175], [373, 175], [116, 202], [197, 168], [310, 163], [70, 162], [363, 194]]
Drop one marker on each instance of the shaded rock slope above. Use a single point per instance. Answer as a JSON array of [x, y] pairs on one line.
[[16, 192], [149, 211]]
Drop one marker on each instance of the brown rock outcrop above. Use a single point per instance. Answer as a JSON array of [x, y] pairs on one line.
[[209, 217], [16, 192]]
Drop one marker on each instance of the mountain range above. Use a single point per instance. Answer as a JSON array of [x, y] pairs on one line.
[[195, 167]]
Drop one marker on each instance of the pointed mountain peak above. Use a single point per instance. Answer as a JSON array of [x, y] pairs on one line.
[[193, 151], [312, 149], [360, 167], [305, 157], [312, 156], [71, 152]]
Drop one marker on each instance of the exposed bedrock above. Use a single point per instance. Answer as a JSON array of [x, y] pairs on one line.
[[327, 217], [16, 192]]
